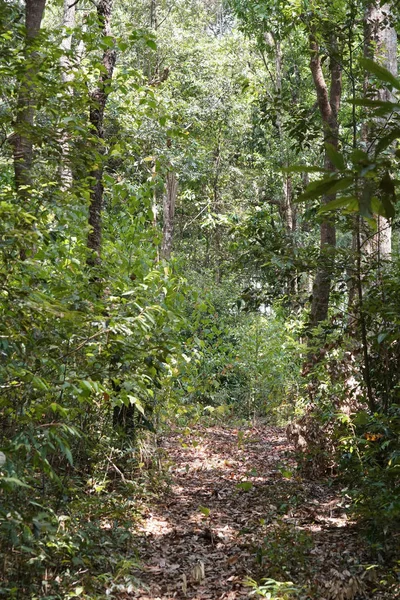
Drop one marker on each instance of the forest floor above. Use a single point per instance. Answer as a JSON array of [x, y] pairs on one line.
[[235, 508]]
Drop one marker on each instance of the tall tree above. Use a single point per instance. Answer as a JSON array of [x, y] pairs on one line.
[[328, 102], [66, 44], [98, 103], [23, 137], [380, 44]]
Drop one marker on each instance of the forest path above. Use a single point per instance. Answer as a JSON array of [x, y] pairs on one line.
[[263, 521]]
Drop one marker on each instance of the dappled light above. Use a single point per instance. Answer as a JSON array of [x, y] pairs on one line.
[[199, 300], [238, 516]]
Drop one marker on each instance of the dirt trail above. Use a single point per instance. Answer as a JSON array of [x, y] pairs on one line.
[[237, 509]]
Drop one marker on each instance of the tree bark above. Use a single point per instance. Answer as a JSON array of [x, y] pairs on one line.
[[329, 104], [380, 44], [98, 103], [65, 171], [22, 139], [169, 200]]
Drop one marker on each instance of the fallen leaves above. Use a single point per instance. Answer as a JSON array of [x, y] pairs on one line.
[[235, 509]]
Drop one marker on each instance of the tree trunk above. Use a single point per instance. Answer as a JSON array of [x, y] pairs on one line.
[[65, 171], [328, 103], [217, 207], [380, 44], [98, 103], [22, 139], [169, 200]]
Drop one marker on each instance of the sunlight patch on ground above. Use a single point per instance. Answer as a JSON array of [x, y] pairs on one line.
[[156, 525]]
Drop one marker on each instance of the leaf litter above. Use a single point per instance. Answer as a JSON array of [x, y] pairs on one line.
[[237, 511]]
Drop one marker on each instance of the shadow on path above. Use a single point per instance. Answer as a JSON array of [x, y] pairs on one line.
[[237, 509]]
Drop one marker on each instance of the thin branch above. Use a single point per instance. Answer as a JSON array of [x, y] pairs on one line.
[[195, 218], [267, 68], [165, 18]]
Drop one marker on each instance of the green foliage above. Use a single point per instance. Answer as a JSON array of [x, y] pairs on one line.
[[95, 360], [371, 450], [243, 360], [283, 550], [271, 589]]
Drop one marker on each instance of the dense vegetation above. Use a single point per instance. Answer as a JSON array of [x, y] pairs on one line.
[[198, 221]]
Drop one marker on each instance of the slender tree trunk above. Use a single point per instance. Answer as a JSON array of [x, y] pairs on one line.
[[217, 208], [380, 44], [22, 139], [98, 103], [65, 170], [286, 208], [328, 103], [169, 200]]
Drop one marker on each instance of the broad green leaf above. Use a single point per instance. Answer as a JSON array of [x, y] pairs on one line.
[[388, 195], [325, 187], [335, 157], [382, 336], [377, 207], [107, 41], [86, 386], [368, 103], [387, 140], [359, 156], [380, 72], [350, 203], [122, 45], [136, 402], [365, 200], [13, 482]]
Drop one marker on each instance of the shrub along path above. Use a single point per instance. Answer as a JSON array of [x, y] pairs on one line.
[[237, 509]]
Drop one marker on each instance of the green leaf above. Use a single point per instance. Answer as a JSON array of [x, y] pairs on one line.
[[387, 140], [246, 486], [86, 387], [350, 203], [206, 511], [107, 41], [286, 472], [388, 194], [151, 44], [359, 156], [380, 72], [136, 402], [377, 207], [13, 482], [368, 103], [365, 202], [123, 45], [325, 187], [335, 157]]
